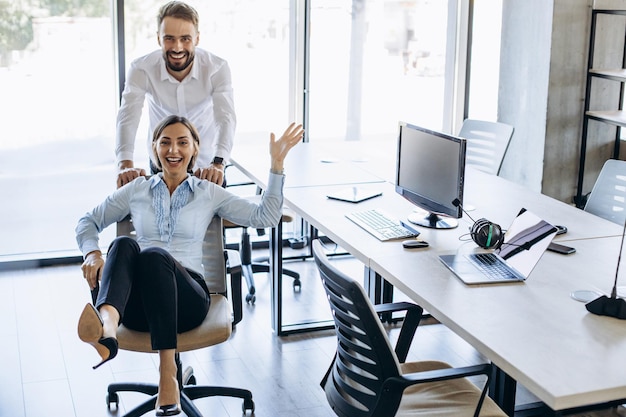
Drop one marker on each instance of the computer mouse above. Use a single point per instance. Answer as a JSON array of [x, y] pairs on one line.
[[413, 244]]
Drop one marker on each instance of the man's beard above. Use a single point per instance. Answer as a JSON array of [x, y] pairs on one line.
[[179, 67]]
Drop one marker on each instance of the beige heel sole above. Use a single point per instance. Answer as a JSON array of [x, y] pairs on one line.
[[90, 325]]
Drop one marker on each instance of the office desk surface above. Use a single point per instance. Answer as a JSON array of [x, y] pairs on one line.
[[494, 198], [533, 331], [306, 165]]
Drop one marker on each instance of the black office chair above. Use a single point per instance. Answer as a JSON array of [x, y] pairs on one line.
[[251, 266], [368, 379], [216, 328]]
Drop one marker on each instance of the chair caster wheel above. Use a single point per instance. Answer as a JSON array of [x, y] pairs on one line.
[[188, 376], [250, 298], [112, 398], [247, 405]]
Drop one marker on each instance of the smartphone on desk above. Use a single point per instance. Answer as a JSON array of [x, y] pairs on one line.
[[562, 249]]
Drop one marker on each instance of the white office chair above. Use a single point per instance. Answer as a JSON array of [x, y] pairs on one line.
[[487, 143], [608, 196]]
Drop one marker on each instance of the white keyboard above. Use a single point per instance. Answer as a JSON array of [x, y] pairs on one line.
[[381, 225]]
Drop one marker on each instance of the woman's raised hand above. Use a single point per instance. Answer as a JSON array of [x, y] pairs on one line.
[[281, 147]]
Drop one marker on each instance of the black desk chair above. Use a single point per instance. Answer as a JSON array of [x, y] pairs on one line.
[[224, 314], [251, 266], [367, 378]]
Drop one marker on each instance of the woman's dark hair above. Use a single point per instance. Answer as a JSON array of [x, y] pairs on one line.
[[168, 121]]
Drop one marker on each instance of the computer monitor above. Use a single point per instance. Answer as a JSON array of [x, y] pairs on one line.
[[430, 172]]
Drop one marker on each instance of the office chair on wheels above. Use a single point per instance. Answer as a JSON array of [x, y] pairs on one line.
[[608, 196], [251, 266], [216, 328], [367, 378], [487, 143]]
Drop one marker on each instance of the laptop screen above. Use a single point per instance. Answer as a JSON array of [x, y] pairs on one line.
[[525, 241]]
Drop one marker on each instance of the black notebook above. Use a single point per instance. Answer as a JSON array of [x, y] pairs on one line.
[[353, 194]]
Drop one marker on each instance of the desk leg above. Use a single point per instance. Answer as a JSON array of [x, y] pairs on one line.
[[276, 275], [502, 390], [379, 290], [373, 284], [276, 296]]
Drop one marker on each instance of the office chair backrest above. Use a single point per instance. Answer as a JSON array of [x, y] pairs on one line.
[[487, 143], [213, 257], [364, 359], [608, 196]]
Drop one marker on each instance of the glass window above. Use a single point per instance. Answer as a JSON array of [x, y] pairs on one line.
[[58, 110], [485, 60], [382, 62], [252, 36], [372, 63], [57, 75]]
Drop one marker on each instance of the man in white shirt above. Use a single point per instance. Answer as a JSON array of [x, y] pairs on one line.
[[183, 80]]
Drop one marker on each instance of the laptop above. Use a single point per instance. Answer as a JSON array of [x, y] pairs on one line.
[[525, 241]]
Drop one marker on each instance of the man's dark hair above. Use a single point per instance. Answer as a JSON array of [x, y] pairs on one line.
[[179, 10]]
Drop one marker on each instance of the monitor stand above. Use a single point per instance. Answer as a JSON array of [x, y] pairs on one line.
[[432, 220]]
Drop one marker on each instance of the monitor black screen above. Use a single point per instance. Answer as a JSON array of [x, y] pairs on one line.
[[430, 172]]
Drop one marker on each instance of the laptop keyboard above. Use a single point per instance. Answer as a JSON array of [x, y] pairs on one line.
[[492, 266], [381, 225]]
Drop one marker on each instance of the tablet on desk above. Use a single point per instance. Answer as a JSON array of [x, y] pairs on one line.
[[353, 194]]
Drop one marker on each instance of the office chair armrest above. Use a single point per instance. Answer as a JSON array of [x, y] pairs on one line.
[[409, 324], [233, 268], [442, 375]]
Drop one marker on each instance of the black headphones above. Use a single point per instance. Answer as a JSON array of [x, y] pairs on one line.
[[486, 234]]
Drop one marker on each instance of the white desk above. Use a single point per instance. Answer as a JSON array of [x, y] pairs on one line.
[[532, 331], [307, 165], [496, 199]]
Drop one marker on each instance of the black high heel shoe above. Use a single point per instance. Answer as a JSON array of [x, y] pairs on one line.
[[110, 343], [168, 410], [90, 331]]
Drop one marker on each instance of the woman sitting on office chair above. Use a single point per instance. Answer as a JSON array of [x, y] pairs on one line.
[[155, 283]]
